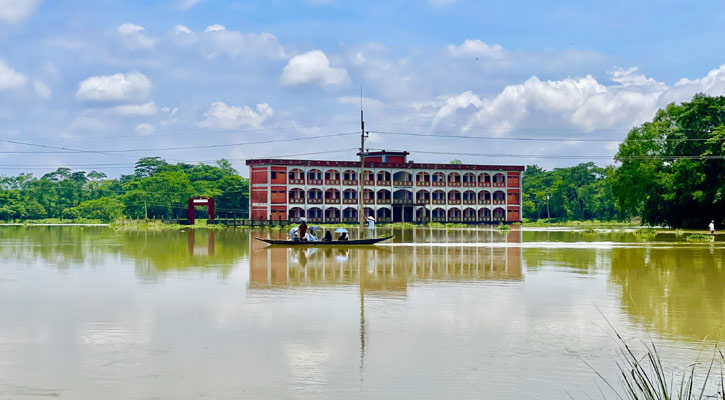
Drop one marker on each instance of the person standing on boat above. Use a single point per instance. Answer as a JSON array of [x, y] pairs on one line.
[[712, 227], [303, 229]]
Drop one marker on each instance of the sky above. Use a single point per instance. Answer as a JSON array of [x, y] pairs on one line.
[[95, 85]]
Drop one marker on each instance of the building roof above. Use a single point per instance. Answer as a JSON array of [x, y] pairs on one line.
[[356, 164]]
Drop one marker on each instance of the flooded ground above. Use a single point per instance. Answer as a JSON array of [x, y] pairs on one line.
[[88, 313]]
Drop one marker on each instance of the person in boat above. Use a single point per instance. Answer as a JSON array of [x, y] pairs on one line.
[[328, 237], [302, 232], [343, 236], [293, 234]]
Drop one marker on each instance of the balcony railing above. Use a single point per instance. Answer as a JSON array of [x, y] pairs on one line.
[[314, 201], [422, 183], [484, 219], [349, 201], [367, 182], [403, 183], [454, 183], [369, 201], [332, 181], [332, 219], [484, 184], [383, 219], [297, 201], [499, 184], [439, 201], [469, 184], [469, 201], [499, 201], [296, 181], [349, 182], [383, 201], [403, 201], [438, 219], [383, 183], [349, 219], [484, 202], [453, 201], [469, 219], [454, 218], [312, 219], [314, 181], [332, 201], [440, 183], [423, 200]]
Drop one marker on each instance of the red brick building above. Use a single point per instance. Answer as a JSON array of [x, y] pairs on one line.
[[395, 190]]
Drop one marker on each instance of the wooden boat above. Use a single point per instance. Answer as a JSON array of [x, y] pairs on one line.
[[338, 243]]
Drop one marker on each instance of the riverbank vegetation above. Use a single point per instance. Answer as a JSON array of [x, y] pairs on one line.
[[156, 190]]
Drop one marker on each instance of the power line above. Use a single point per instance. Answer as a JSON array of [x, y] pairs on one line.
[[573, 157], [185, 133], [526, 129], [541, 139], [116, 152]]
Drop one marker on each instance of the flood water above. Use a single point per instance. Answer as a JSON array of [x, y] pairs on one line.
[[89, 313]]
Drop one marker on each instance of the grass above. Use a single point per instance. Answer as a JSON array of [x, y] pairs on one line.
[[643, 376], [572, 223], [157, 225], [46, 221], [699, 237], [588, 231], [647, 230]]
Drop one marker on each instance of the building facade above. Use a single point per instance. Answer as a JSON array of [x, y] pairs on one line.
[[395, 190]]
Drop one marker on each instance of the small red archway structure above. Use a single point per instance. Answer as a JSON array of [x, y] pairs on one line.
[[197, 202]]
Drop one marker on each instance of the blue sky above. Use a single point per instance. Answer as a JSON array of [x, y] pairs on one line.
[[133, 75]]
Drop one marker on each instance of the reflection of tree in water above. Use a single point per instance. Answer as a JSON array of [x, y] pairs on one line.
[[676, 291], [582, 261], [154, 253], [62, 246]]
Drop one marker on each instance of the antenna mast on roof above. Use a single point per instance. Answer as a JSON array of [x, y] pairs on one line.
[[361, 175]]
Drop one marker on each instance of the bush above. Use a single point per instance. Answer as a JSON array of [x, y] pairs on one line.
[[106, 209]]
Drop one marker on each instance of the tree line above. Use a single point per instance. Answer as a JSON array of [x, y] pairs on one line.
[[156, 189]]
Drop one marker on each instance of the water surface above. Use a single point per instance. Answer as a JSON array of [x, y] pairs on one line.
[[88, 313]]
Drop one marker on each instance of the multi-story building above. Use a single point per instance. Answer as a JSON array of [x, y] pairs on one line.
[[395, 190]]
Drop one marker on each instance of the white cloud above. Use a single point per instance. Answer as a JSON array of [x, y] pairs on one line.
[[217, 40], [132, 86], [9, 78], [14, 11], [144, 110], [129, 29], [476, 48], [222, 116], [568, 103], [42, 90], [181, 29], [312, 67], [134, 35], [215, 28]]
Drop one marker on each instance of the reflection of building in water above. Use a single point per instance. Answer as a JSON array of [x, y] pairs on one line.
[[200, 250], [389, 268]]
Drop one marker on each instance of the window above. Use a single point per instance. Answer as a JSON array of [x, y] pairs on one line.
[[274, 174]]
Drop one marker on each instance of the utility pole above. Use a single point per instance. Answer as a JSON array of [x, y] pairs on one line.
[[361, 175]]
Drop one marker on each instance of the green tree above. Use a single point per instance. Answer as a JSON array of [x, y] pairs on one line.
[[672, 169]]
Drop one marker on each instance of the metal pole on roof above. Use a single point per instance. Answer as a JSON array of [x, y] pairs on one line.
[[361, 175]]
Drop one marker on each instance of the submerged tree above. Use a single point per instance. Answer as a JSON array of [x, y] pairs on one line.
[[672, 169]]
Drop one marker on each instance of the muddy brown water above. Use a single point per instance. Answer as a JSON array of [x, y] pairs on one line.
[[88, 313]]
